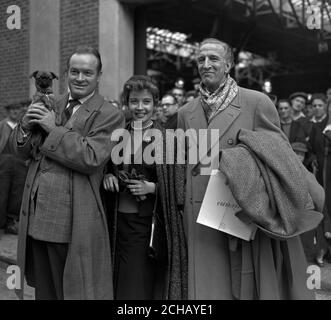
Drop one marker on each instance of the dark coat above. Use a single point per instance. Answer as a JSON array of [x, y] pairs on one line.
[[171, 123], [319, 146], [170, 243], [297, 132]]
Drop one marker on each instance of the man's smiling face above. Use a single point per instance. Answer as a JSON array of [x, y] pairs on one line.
[[83, 75], [213, 65]]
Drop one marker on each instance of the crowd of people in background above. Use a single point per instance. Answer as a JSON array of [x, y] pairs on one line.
[[304, 118]]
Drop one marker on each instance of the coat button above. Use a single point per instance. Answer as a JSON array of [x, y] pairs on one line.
[[28, 185], [24, 213], [230, 142]]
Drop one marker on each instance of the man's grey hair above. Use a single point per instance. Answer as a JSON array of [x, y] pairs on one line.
[[229, 56]]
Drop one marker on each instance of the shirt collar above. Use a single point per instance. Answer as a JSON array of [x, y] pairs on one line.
[[301, 115], [82, 100], [289, 121], [11, 124], [319, 120]]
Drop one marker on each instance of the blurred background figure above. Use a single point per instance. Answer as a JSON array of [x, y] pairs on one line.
[[319, 147], [12, 172], [170, 107], [158, 115], [298, 103], [309, 110], [191, 95], [179, 93], [293, 129]]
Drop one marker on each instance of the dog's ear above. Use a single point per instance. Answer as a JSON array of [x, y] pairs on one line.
[[54, 76], [33, 75]]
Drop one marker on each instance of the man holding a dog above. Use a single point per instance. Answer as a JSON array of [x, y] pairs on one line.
[[63, 248]]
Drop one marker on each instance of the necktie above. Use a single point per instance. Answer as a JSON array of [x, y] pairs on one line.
[[69, 110]]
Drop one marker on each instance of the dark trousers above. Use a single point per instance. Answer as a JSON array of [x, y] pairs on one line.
[[12, 179], [134, 269], [45, 262]]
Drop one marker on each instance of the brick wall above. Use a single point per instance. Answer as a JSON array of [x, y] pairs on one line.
[[79, 26], [14, 56]]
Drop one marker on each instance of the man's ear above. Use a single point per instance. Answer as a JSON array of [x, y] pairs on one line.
[[33, 75], [228, 67], [54, 76]]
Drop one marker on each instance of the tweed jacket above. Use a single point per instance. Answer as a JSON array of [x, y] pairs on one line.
[[83, 146], [268, 181]]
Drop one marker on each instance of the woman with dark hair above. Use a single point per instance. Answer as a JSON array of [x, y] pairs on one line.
[[319, 146], [148, 239]]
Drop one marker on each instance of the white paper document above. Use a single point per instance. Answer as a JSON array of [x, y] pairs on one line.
[[219, 207]]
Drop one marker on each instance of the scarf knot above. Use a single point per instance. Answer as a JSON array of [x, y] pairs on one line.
[[216, 102]]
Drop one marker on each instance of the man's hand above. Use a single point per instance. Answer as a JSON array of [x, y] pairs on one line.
[[110, 183], [39, 114]]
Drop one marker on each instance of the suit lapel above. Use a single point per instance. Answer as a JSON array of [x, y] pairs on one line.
[[80, 117], [60, 106], [197, 120]]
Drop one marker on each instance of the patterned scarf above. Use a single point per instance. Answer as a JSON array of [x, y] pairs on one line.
[[216, 102]]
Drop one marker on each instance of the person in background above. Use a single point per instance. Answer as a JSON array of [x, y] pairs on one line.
[[298, 103], [292, 129], [12, 172], [320, 159], [191, 95], [309, 111], [170, 107], [179, 93], [328, 95], [158, 115]]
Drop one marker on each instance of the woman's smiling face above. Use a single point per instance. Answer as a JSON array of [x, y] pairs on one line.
[[141, 105]]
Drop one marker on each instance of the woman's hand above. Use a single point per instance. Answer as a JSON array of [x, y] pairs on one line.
[[140, 188], [110, 183]]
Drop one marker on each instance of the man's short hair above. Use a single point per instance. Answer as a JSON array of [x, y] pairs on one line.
[[282, 101], [228, 49], [176, 88], [86, 50], [169, 94], [140, 83], [320, 96]]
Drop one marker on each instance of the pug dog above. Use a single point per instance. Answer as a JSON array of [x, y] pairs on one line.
[[44, 94]]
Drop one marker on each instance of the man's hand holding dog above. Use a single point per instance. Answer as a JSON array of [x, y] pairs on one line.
[[39, 114]]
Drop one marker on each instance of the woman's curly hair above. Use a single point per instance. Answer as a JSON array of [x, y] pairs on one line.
[[140, 83]]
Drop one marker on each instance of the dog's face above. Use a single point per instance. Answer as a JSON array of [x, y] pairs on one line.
[[43, 80]]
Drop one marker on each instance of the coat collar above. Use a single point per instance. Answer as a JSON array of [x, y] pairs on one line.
[[221, 121]]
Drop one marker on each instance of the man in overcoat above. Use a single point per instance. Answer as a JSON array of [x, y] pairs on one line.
[[226, 107], [63, 245]]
